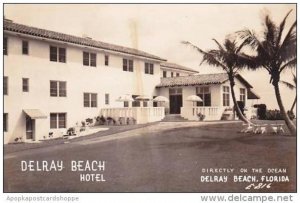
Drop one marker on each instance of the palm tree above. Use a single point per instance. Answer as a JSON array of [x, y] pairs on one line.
[[291, 86], [229, 58], [275, 53]]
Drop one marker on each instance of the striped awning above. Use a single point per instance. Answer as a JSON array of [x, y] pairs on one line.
[[34, 113]]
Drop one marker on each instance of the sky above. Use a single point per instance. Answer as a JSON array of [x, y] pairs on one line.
[[159, 30]]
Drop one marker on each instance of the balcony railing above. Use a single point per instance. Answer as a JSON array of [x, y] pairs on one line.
[[210, 112], [140, 114]]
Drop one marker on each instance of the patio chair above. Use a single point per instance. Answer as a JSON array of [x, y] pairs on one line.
[[248, 128], [277, 128], [263, 128]]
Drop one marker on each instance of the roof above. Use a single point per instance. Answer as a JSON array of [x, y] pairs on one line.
[[178, 67], [252, 94], [203, 79], [37, 32]]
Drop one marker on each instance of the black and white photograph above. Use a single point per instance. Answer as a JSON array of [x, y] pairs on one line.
[[150, 98]]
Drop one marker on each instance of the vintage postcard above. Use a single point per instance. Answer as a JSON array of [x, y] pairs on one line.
[[179, 98]]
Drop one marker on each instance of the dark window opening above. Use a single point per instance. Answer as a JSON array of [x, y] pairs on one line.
[[25, 47]]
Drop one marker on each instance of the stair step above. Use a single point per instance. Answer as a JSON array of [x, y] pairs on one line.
[[174, 118]]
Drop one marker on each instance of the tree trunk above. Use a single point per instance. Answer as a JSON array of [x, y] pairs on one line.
[[284, 114], [236, 107], [293, 106]]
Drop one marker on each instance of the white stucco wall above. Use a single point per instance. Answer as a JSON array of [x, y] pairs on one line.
[[40, 70]]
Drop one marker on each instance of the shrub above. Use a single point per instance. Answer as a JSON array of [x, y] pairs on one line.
[[89, 120], [261, 111], [201, 116], [291, 115], [273, 115]]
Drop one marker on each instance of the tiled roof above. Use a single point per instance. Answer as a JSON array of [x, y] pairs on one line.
[[203, 79], [193, 80], [178, 67], [33, 31]]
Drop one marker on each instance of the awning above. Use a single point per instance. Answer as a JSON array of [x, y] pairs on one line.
[[34, 113]]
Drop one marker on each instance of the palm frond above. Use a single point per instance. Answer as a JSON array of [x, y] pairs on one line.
[[290, 64], [281, 28], [193, 46], [214, 58], [245, 61], [252, 40], [270, 34], [287, 84], [210, 57], [219, 45], [294, 79], [288, 47]]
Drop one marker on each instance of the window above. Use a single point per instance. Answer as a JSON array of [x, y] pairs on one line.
[[226, 100], [164, 74], [106, 60], [128, 65], [57, 54], [5, 122], [58, 120], [53, 53], [58, 88], [93, 59], [107, 99], [62, 55], [89, 59], [5, 47], [205, 95], [86, 100], [149, 68], [177, 74], [25, 47], [175, 91], [172, 74], [242, 95], [25, 84], [93, 100], [62, 89], [89, 100], [5, 85], [86, 59], [126, 104], [136, 103]]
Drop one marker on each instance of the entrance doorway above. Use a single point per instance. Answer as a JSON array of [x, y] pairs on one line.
[[175, 100], [30, 128]]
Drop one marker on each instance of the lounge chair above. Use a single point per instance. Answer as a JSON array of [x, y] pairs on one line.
[[248, 128], [277, 128]]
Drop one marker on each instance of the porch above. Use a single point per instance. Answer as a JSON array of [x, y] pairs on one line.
[[140, 114]]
